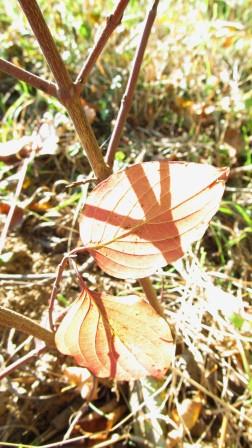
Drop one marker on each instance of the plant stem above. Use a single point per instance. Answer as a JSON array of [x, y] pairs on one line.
[[23, 75], [46, 43], [128, 95], [21, 178], [112, 22], [67, 93], [151, 295], [87, 138], [66, 90], [12, 319], [20, 361]]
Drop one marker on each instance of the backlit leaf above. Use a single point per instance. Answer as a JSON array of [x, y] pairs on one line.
[[122, 338], [148, 215]]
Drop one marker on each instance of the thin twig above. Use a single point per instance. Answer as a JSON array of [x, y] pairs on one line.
[[59, 274], [207, 392], [7, 223], [109, 430], [45, 276], [223, 432], [151, 295], [128, 95], [112, 22], [12, 319], [23, 75], [20, 361], [55, 288]]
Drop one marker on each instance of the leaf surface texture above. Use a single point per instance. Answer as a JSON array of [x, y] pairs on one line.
[[149, 214], [116, 337]]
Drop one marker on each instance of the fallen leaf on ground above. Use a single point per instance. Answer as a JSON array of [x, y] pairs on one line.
[[116, 337], [186, 415], [148, 215], [101, 422], [82, 379], [188, 412]]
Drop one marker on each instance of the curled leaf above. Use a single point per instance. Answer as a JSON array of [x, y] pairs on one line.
[[122, 338], [148, 215]]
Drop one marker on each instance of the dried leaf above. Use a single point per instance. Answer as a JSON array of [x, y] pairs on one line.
[[148, 215], [47, 139], [82, 379], [18, 214], [122, 338], [189, 411], [186, 415], [100, 423], [14, 150]]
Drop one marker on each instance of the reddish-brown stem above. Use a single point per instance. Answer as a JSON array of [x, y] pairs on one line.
[[128, 95], [67, 93], [20, 361], [112, 22], [21, 178], [23, 75], [60, 270], [65, 87], [12, 319], [151, 295], [87, 138], [47, 44], [55, 288]]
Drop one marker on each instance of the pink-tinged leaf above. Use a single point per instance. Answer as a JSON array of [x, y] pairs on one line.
[[116, 337], [148, 215]]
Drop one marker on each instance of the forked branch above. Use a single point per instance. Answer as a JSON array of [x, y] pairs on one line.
[[47, 45], [65, 87], [67, 92], [28, 77]]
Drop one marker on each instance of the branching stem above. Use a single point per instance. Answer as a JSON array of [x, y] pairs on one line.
[[68, 93], [66, 90], [28, 77], [12, 319]]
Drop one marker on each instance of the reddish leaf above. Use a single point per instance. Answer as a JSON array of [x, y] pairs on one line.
[[18, 214], [122, 338], [148, 215]]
